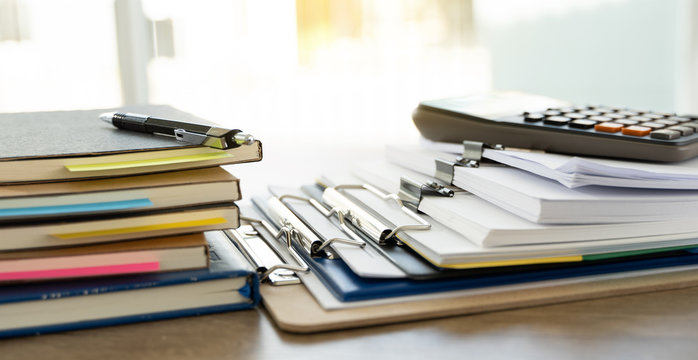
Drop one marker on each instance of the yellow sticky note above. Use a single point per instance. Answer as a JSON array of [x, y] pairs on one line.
[[147, 162], [145, 228]]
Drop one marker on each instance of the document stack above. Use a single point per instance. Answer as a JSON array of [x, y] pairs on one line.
[[103, 226], [419, 236]]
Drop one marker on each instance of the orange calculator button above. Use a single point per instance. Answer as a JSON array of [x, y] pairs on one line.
[[636, 130], [608, 127]]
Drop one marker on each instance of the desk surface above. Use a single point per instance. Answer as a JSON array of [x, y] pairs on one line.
[[644, 326], [647, 326]]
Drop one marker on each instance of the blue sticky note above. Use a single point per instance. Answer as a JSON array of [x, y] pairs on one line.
[[75, 208]]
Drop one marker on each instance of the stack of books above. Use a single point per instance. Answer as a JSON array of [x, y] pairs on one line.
[[100, 225], [403, 238]]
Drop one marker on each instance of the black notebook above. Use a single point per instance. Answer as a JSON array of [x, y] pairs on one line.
[[61, 145]]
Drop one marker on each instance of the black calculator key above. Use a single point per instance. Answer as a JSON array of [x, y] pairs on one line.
[[653, 116], [602, 109], [694, 125], [556, 120], [639, 118], [627, 122], [582, 124], [685, 130], [665, 134], [590, 112], [600, 118], [535, 117], [654, 125], [614, 115], [666, 122], [575, 115], [627, 113], [681, 119]]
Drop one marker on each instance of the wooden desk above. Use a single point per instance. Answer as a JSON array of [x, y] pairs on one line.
[[646, 326], [661, 325]]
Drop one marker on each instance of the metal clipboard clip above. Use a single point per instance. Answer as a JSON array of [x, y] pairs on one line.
[[376, 229], [471, 157], [305, 237], [263, 255]]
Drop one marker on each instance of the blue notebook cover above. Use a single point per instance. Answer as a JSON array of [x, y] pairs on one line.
[[225, 263]]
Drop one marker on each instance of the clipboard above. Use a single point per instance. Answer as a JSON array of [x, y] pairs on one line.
[[295, 309]]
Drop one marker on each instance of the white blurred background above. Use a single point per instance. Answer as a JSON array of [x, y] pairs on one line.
[[343, 73]]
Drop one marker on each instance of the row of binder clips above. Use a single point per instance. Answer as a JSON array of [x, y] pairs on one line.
[[266, 245]]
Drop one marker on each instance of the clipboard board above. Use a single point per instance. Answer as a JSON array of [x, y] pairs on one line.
[[294, 309]]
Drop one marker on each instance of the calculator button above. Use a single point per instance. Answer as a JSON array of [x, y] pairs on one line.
[[665, 134], [536, 117], [551, 113], [626, 122], [694, 125], [684, 130], [639, 118], [575, 115], [582, 124], [565, 110], [653, 116], [614, 115], [665, 114], [666, 122], [602, 109], [636, 130], [608, 127], [681, 119], [653, 125], [556, 120], [600, 118], [590, 113], [628, 113], [580, 107]]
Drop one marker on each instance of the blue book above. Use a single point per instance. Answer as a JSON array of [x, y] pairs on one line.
[[228, 284]]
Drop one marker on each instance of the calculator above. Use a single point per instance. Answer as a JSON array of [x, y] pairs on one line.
[[528, 121]]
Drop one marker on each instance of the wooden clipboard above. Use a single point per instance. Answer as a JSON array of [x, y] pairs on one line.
[[294, 309]]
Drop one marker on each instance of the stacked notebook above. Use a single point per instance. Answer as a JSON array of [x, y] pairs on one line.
[[415, 236], [101, 226]]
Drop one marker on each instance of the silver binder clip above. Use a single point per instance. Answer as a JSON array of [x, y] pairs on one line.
[[412, 192], [471, 157], [264, 255], [376, 229], [472, 152], [307, 238]]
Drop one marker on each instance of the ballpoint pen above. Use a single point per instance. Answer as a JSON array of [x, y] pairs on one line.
[[211, 136]]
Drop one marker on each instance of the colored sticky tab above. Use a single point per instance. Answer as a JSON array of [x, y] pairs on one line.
[[145, 228], [75, 208], [147, 162], [81, 271]]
